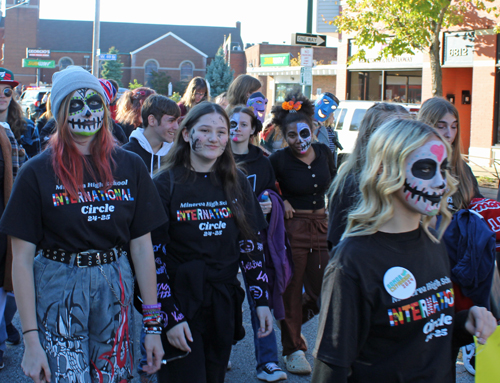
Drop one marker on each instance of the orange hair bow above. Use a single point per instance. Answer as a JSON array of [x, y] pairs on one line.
[[292, 105]]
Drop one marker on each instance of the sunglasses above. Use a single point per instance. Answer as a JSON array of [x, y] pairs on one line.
[[7, 92], [199, 94]]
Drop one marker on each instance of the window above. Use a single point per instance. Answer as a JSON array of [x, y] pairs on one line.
[[186, 71], [340, 120], [65, 62], [356, 119], [149, 67], [283, 89]]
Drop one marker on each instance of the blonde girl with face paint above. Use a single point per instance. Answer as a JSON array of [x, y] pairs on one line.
[[213, 226], [382, 319], [304, 171]]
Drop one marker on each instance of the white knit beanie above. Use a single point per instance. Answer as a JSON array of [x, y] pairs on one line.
[[67, 81]]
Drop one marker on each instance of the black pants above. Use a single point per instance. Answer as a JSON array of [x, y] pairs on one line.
[[206, 363]]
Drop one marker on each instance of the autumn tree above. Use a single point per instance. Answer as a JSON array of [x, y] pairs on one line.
[[407, 26]]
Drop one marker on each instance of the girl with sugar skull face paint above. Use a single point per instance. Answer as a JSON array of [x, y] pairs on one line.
[[377, 312], [304, 171], [77, 253]]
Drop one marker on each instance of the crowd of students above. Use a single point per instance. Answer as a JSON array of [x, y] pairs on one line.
[[160, 207]]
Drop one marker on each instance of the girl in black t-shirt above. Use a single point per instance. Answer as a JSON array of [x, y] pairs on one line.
[[304, 171], [76, 205], [387, 302], [214, 220]]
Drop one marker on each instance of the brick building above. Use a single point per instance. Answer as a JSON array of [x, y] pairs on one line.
[[181, 51]]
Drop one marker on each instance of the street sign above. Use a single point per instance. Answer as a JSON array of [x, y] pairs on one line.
[[309, 39], [306, 75], [31, 63], [107, 57], [282, 59], [306, 56], [35, 53]]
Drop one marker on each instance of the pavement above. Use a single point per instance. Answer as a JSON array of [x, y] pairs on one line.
[[242, 357]]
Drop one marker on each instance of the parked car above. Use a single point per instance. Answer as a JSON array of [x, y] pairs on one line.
[[31, 101], [348, 116]]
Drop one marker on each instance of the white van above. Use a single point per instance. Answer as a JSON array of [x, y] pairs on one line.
[[348, 116]]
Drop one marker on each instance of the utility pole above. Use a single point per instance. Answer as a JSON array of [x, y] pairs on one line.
[[309, 16], [96, 50]]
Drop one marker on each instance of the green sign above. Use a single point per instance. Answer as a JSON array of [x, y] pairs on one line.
[[33, 63], [282, 59]]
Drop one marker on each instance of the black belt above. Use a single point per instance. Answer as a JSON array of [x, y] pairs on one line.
[[84, 258]]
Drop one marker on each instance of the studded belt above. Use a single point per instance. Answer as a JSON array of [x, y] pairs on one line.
[[84, 258]]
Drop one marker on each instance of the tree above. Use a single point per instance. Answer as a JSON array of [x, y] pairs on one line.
[[406, 26], [219, 74], [159, 82], [112, 69], [134, 85]]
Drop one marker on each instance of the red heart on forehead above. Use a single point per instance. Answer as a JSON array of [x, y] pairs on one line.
[[438, 151]]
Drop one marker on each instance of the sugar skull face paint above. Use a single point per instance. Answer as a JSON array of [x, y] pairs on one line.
[[324, 106], [240, 127], [86, 112], [257, 102], [304, 135], [425, 178], [234, 126]]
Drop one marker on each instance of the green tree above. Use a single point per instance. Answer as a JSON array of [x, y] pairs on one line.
[[112, 69], [159, 82], [406, 26], [219, 74], [175, 97], [134, 85]]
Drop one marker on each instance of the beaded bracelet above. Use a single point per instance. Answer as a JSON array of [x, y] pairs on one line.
[[152, 330], [151, 307]]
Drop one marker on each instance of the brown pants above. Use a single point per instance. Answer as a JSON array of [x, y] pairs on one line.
[[307, 233]]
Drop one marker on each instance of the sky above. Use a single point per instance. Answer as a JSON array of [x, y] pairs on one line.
[[273, 21]]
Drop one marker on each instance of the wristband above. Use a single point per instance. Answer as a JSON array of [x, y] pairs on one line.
[[27, 331]]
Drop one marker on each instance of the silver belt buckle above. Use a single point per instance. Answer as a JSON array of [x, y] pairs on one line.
[[78, 259]]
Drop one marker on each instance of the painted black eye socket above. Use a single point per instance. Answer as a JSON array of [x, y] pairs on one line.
[[445, 166], [94, 102], [234, 124], [305, 133], [76, 105], [424, 169]]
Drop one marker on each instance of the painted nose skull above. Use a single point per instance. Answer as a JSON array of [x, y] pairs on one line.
[[304, 133]]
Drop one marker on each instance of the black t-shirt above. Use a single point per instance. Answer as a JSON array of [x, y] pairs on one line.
[[363, 326], [303, 185], [40, 211], [200, 219], [258, 169]]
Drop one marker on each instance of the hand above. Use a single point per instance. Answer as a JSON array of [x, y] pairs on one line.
[[266, 321], [154, 352], [481, 323], [178, 334], [35, 364], [289, 210], [266, 206]]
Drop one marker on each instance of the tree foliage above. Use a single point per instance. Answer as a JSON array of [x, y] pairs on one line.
[[159, 82], [219, 74], [406, 26], [113, 69], [134, 85]]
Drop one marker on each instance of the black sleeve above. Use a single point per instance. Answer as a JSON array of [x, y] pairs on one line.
[[30, 140], [165, 292], [118, 133], [275, 160], [345, 317], [271, 181], [148, 213], [331, 161], [328, 373], [339, 207], [461, 337], [48, 129]]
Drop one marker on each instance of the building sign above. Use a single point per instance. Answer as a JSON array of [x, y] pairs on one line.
[[458, 48], [370, 62], [327, 11], [306, 76], [35, 53], [30, 63], [281, 59], [107, 57], [309, 39], [306, 56]]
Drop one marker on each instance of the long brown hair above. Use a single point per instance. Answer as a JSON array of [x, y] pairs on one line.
[[15, 119], [129, 106], [224, 167], [69, 164], [196, 84], [431, 112], [240, 89]]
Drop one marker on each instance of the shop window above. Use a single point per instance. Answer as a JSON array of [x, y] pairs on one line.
[[365, 85], [65, 62], [187, 69], [403, 86], [149, 67], [283, 89]]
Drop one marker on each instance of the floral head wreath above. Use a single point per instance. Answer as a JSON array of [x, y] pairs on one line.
[[292, 106]]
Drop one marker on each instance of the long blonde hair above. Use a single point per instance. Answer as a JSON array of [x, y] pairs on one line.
[[433, 110], [384, 174]]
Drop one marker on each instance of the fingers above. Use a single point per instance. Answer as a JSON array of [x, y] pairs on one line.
[[187, 331], [481, 323], [269, 325], [46, 372]]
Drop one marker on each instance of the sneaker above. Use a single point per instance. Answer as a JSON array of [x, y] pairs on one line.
[[271, 373], [469, 358], [296, 363], [2, 365], [13, 336]]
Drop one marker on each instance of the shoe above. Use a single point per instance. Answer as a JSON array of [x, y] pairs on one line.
[[296, 363], [13, 336], [469, 358], [271, 373], [2, 365]]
